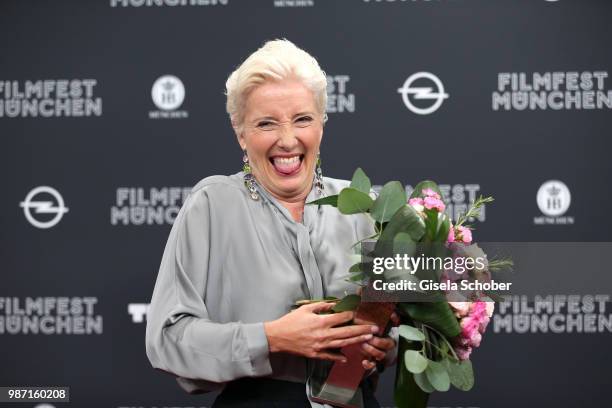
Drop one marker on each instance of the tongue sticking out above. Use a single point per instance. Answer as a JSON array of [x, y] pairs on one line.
[[286, 166]]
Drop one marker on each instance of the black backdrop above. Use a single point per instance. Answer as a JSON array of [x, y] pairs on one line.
[[98, 139]]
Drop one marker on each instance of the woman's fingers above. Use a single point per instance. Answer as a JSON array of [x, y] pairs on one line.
[[338, 343], [373, 352], [368, 365], [346, 332], [333, 337], [325, 355], [382, 343], [358, 320], [376, 349], [337, 318], [317, 307]]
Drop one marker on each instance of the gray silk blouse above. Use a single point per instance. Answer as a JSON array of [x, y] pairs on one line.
[[232, 263]]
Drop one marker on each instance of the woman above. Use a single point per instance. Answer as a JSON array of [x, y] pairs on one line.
[[244, 248]]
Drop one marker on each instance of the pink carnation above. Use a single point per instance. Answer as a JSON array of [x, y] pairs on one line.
[[460, 308], [433, 202], [451, 234], [466, 234], [478, 309], [470, 332], [428, 192], [416, 203], [490, 307], [463, 352], [483, 324], [460, 234], [473, 325]]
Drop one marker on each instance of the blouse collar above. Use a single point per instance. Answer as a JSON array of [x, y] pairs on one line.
[[309, 210]]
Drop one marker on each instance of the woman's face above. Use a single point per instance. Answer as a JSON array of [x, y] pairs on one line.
[[282, 132]]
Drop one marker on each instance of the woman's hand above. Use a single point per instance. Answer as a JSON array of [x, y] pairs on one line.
[[304, 332], [377, 348]]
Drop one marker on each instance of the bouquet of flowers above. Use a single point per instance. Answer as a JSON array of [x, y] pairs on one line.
[[438, 329]]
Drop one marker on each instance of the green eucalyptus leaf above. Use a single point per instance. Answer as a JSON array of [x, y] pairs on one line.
[[404, 220], [357, 277], [418, 189], [355, 267], [329, 200], [461, 373], [391, 198], [414, 361], [421, 380], [349, 302], [437, 376], [404, 244], [435, 314], [361, 182], [431, 223], [441, 234], [351, 201], [411, 333]]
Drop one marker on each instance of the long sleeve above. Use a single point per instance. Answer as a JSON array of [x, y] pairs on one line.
[[180, 336]]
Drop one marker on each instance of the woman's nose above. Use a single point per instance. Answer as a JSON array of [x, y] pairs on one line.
[[286, 138]]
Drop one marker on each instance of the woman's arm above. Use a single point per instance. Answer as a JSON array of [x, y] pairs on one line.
[[180, 337]]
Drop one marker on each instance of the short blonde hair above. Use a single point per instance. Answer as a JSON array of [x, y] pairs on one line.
[[276, 59]]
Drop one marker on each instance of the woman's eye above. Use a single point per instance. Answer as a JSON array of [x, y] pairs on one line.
[[265, 125], [304, 120]]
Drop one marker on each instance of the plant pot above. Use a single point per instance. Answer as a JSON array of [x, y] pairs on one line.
[[341, 386]]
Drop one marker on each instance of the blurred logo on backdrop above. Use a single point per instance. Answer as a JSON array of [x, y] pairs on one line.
[[553, 199], [43, 207], [168, 94], [571, 90], [147, 206], [138, 312], [339, 100], [423, 93], [558, 313], [48, 98], [166, 3]]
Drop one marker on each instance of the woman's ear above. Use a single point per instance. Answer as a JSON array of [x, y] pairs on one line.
[[239, 136]]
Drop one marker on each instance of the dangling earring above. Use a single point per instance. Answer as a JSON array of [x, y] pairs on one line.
[[319, 176], [249, 180]]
